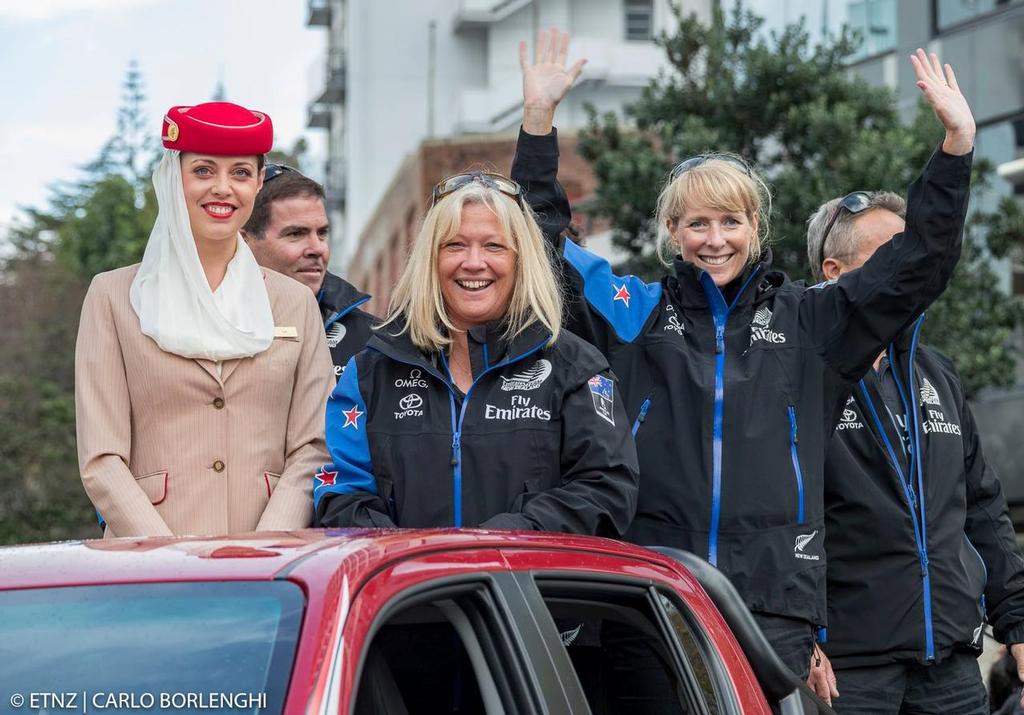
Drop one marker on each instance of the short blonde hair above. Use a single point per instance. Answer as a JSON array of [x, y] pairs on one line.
[[721, 184], [417, 303]]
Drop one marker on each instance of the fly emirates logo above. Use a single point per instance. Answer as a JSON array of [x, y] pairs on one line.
[[520, 408]]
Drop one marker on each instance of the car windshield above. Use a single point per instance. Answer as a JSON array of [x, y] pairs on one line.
[[185, 647]]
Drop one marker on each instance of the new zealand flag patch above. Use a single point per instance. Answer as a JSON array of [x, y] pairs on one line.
[[602, 390]]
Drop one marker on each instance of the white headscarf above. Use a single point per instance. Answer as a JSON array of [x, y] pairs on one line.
[[172, 297]]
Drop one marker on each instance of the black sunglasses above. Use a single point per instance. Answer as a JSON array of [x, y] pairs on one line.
[[694, 161], [497, 182], [275, 170], [854, 203]]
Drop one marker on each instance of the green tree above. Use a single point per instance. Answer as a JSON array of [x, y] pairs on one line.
[[94, 223], [814, 131]]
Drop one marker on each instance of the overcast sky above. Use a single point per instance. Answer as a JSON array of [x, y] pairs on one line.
[[63, 62]]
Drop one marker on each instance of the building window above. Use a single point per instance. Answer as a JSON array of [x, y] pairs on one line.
[[875, 21], [953, 12], [639, 19]]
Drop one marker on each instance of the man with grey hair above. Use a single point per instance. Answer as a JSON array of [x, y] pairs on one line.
[[921, 551]]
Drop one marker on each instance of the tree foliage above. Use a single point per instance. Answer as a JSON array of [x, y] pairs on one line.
[[95, 223], [814, 131]]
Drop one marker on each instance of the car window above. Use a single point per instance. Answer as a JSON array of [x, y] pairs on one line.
[[624, 659], [700, 655], [153, 645], [441, 656]]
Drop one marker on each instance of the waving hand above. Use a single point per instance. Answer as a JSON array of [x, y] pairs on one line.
[[938, 84]]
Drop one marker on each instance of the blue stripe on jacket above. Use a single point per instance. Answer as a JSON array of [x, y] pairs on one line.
[[351, 469], [636, 299]]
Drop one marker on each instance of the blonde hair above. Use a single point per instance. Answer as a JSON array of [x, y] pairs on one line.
[[417, 303], [720, 184]]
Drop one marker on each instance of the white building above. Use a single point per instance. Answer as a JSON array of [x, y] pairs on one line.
[[404, 71]]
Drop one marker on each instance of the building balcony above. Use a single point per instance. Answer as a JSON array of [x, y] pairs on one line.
[[477, 14], [319, 13], [318, 115]]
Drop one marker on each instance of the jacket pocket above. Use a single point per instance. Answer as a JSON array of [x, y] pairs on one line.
[[271, 481], [977, 571], [795, 456], [154, 485]]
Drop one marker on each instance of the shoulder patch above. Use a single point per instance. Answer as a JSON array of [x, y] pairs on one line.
[[602, 390]]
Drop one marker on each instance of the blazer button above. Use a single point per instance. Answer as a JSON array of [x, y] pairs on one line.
[[218, 466], [218, 402]]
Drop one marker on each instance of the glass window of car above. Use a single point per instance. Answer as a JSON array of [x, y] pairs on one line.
[[448, 654], [623, 654], [144, 640]]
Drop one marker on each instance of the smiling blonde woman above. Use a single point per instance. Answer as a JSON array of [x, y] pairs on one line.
[[470, 407]]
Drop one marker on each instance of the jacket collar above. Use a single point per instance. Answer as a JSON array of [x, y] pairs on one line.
[[338, 296], [689, 286]]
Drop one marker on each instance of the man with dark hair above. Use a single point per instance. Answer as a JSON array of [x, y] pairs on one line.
[[288, 233], [921, 551]]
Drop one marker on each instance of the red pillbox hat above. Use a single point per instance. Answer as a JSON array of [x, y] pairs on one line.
[[219, 128]]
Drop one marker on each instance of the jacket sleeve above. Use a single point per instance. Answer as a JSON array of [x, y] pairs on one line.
[[601, 307], [103, 422], [598, 492], [289, 505], [851, 319], [345, 492], [990, 531]]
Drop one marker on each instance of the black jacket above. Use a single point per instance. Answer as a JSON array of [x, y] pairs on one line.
[[539, 441], [733, 401], [901, 589], [347, 327]]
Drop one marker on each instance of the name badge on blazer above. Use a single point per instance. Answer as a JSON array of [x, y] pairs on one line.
[[289, 332]]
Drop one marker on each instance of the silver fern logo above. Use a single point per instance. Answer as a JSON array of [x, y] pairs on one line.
[[802, 540], [929, 396], [529, 379], [569, 637], [335, 334]]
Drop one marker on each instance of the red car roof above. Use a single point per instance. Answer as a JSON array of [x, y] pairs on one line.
[[312, 553]]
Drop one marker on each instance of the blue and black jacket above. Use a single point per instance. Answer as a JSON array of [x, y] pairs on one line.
[[347, 327], [539, 442], [735, 393], [920, 545]]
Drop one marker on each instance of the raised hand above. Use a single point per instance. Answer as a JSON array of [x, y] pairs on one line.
[[546, 80], [938, 84]]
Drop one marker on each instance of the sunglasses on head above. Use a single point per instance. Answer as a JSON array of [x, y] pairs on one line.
[[694, 161], [275, 170], [853, 203], [497, 182]]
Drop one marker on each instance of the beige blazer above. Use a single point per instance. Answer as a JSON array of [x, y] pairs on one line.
[[171, 445]]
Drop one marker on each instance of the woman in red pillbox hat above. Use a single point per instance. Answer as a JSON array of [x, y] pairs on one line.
[[201, 377]]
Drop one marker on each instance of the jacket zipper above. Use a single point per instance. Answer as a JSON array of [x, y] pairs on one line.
[[791, 409], [457, 426], [720, 315], [642, 416], [916, 505]]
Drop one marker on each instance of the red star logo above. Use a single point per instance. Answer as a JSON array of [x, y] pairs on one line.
[[622, 294], [352, 417], [326, 478]]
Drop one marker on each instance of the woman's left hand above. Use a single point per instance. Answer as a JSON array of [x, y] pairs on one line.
[[938, 84], [822, 680], [547, 80]]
